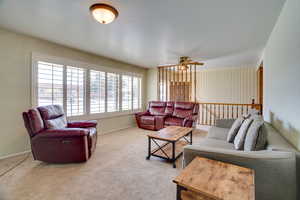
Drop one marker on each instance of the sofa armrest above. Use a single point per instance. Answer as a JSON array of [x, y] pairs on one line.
[[274, 170], [189, 120], [62, 133], [159, 121], [139, 114], [224, 123], [82, 124]]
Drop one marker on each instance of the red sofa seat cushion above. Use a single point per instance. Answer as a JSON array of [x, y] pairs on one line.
[[173, 121], [148, 120]]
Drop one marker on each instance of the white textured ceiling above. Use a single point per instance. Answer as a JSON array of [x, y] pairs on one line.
[[152, 32]]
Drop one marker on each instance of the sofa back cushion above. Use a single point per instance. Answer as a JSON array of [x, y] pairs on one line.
[[157, 107], [53, 116], [183, 109]]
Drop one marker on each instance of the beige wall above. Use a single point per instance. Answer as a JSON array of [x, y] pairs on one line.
[[15, 85], [152, 84], [227, 85], [282, 74]]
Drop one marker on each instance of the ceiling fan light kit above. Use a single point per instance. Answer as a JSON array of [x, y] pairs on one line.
[[104, 13]]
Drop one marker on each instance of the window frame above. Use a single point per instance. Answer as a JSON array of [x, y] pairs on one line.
[[36, 57]]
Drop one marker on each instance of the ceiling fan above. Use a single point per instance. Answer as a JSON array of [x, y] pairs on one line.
[[184, 62]]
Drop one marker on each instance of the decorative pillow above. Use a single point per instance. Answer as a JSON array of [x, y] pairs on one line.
[[239, 139], [234, 129], [255, 138], [57, 123]]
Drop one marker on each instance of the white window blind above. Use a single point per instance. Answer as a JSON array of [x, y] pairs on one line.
[[97, 91], [63, 82], [49, 83], [126, 92], [112, 92], [136, 93], [75, 91]]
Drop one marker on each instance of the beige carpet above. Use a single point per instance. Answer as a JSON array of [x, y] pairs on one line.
[[117, 170]]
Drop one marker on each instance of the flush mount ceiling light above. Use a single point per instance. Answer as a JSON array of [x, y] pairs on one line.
[[104, 13]]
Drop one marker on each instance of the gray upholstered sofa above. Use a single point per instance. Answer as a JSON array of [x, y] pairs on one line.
[[275, 166]]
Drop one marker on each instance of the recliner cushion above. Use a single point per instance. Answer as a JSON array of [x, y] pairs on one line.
[[183, 109], [148, 120], [157, 108], [57, 123], [51, 111], [173, 121]]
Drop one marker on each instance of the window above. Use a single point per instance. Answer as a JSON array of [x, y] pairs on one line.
[[82, 90], [112, 92], [136, 93], [97, 91], [49, 83], [126, 92], [75, 91]]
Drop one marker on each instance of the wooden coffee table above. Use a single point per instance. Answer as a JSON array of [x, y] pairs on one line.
[[205, 179], [174, 137]]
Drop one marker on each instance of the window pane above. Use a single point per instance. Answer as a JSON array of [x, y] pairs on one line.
[[97, 85], [126, 92], [75, 91], [136, 92], [112, 92], [49, 83]]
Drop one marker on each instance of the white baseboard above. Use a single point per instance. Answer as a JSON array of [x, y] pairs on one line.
[[15, 154], [118, 129]]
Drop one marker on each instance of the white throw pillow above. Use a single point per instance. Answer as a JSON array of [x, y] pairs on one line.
[[239, 139], [234, 129]]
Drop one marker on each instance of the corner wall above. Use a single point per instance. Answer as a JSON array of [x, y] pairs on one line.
[[282, 74], [15, 86]]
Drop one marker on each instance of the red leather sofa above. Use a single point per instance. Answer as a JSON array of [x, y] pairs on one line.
[[161, 114], [55, 140]]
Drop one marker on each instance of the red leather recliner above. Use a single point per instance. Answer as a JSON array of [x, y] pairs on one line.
[[161, 114], [55, 140]]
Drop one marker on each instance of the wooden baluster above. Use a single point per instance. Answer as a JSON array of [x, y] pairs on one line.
[[227, 111], [210, 114], [223, 111], [195, 82], [242, 110], [232, 111], [247, 109], [206, 115], [214, 116], [190, 82], [237, 112]]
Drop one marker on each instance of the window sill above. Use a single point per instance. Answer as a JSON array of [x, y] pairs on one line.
[[106, 115]]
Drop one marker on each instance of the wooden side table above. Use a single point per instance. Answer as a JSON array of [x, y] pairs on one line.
[[205, 179]]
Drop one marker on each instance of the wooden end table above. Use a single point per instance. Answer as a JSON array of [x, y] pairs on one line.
[[205, 179], [171, 150]]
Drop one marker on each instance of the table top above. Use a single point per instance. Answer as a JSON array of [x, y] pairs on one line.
[[171, 133], [218, 180]]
